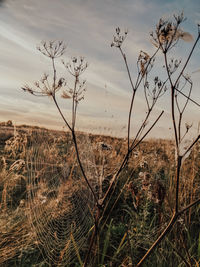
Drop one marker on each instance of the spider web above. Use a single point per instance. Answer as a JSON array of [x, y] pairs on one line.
[[61, 206]]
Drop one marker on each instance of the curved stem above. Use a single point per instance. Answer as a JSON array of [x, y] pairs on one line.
[[159, 239], [59, 110], [166, 231], [189, 98], [82, 169], [77, 151], [188, 58], [134, 146], [126, 158], [189, 206]]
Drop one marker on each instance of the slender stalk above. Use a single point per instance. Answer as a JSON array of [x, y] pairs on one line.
[[189, 98], [127, 68], [138, 82], [179, 163], [179, 126], [59, 110], [74, 103], [141, 127], [82, 169], [188, 59], [191, 146], [159, 239], [54, 74], [134, 146], [93, 237], [196, 202], [166, 231], [133, 95], [129, 118], [172, 101], [77, 151], [116, 200], [126, 158]]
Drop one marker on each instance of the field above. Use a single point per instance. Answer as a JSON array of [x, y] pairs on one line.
[[47, 209]]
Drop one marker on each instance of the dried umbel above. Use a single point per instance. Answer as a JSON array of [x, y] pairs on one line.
[[119, 38], [52, 49], [46, 86], [49, 86], [75, 67], [168, 33], [144, 63]]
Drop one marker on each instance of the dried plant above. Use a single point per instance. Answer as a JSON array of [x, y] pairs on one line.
[[165, 38]]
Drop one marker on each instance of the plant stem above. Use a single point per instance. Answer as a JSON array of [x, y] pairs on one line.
[[179, 163], [77, 151], [160, 238], [172, 100], [81, 167], [133, 95]]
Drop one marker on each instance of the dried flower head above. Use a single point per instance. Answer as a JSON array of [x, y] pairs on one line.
[[52, 49], [144, 62], [45, 87], [119, 38], [168, 33], [76, 66], [188, 126]]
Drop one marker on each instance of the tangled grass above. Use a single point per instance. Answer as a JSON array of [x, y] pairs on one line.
[[144, 201]]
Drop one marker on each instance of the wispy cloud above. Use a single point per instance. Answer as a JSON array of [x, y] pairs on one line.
[[87, 27]]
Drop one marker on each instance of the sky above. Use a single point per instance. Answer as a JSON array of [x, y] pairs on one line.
[[87, 28]]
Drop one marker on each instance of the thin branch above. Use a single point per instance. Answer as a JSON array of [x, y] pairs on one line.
[[74, 103], [189, 206], [127, 68], [133, 95], [54, 76], [166, 231], [191, 146], [134, 88], [125, 160], [159, 239], [193, 101], [138, 82], [82, 169], [134, 146], [189, 94], [178, 168], [77, 152], [63, 117], [172, 100], [179, 126], [188, 58]]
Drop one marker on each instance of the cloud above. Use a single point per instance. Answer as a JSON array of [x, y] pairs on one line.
[[87, 26]]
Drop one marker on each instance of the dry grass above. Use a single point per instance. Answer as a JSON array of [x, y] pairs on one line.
[[29, 206]]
